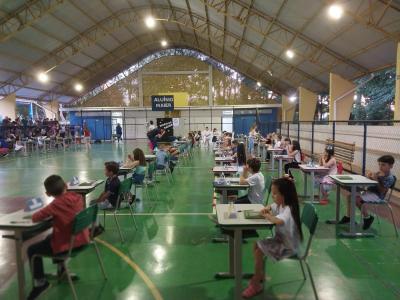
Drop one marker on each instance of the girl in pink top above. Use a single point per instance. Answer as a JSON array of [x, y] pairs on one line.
[[326, 183]]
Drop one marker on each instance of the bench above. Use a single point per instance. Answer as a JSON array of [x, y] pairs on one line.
[[344, 152]]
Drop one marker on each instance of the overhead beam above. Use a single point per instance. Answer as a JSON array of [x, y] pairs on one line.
[[192, 21], [24, 16]]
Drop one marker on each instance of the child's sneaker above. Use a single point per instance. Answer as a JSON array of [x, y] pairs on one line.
[[38, 290], [344, 220], [368, 222]]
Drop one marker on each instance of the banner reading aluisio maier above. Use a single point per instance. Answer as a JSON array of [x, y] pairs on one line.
[[162, 102]]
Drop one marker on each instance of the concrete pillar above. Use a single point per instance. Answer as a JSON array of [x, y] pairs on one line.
[[341, 98], [307, 104], [397, 95], [7, 106], [288, 109]]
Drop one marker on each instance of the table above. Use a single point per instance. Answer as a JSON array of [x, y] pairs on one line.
[[150, 157], [237, 225], [24, 229], [273, 151], [124, 171], [280, 158], [222, 153], [222, 159], [311, 170], [225, 169], [231, 184], [84, 189], [352, 181]]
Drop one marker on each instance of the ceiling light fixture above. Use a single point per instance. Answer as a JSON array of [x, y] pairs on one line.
[[164, 43], [335, 11], [78, 87], [259, 83], [150, 22], [289, 53], [43, 77], [292, 98]]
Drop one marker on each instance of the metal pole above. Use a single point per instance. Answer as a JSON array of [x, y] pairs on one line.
[[298, 132], [333, 131], [124, 123], [364, 157], [288, 129], [104, 128], [189, 119], [312, 137]]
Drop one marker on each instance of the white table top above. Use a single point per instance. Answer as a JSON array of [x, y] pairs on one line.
[[274, 149], [223, 215], [225, 169], [149, 156], [231, 182], [355, 180], [315, 168], [221, 158], [18, 219], [85, 187]]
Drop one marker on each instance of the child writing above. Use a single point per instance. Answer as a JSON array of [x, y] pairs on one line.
[[62, 210], [326, 183], [255, 179], [285, 214], [137, 161], [109, 198], [375, 193]]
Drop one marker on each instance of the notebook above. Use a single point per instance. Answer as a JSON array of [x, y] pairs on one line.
[[252, 214], [86, 183], [344, 177]]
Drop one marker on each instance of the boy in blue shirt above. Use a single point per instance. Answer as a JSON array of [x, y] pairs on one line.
[[375, 193]]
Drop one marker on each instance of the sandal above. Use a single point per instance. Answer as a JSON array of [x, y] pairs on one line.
[[252, 290]]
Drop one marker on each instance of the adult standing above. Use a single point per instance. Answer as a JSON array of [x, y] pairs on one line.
[[207, 135], [118, 131], [252, 138], [87, 135]]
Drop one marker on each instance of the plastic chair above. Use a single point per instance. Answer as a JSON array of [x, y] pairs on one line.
[[123, 195], [309, 218], [267, 188], [142, 184], [83, 220], [386, 202]]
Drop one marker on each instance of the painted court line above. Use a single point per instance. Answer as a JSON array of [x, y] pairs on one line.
[[152, 287]]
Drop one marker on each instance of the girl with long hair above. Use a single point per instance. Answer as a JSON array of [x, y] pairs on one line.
[[294, 151], [285, 214]]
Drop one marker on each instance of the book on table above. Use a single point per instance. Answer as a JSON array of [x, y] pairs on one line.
[[344, 177], [252, 214], [88, 183]]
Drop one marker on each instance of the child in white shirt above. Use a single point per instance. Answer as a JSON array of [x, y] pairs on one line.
[[285, 214]]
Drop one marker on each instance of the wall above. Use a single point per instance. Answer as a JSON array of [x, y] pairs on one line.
[[178, 74], [7, 107]]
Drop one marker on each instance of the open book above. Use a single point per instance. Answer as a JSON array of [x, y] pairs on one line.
[[252, 214]]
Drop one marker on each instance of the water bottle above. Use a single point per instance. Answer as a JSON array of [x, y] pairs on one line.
[[231, 210]]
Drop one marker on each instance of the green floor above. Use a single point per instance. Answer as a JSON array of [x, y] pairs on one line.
[[173, 244]]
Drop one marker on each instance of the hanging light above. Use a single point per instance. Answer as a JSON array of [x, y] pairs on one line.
[[258, 84], [164, 43], [335, 11], [78, 87], [292, 98], [43, 77], [290, 53], [150, 22]]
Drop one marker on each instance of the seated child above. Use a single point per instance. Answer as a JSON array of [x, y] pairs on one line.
[[63, 210], [294, 151], [137, 161], [375, 193], [109, 198], [285, 214], [3, 148], [326, 183], [252, 176]]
